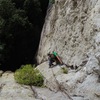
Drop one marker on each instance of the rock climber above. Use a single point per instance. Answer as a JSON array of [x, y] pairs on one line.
[[54, 58]]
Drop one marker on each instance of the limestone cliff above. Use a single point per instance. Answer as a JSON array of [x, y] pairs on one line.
[[72, 29]]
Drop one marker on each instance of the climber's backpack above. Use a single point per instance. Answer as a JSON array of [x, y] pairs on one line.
[[55, 54]]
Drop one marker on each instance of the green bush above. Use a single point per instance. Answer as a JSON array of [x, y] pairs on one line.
[[64, 70], [29, 76]]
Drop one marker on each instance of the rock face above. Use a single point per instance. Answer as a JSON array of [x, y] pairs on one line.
[[10, 90], [72, 29], [75, 85]]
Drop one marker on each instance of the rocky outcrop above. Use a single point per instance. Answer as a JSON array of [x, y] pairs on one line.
[[10, 90], [72, 29], [75, 85]]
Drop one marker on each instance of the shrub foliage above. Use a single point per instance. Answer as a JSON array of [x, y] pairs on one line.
[[64, 70], [29, 76]]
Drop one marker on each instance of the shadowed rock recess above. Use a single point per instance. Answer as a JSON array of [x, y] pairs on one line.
[[72, 29]]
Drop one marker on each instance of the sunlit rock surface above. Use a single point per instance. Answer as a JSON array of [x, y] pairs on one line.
[[10, 90], [78, 84], [72, 29]]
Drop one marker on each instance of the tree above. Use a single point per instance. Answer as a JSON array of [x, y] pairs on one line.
[[20, 43], [18, 3], [21, 23], [16, 36], [44, 6], [33, 10], [7, 9]]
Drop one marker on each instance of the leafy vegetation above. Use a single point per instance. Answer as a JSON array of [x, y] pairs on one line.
[[64, 70], [21, 23], [29, 76]]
